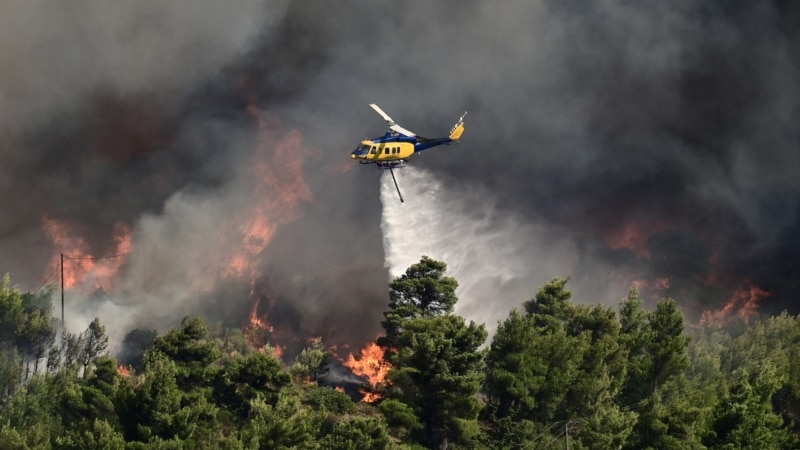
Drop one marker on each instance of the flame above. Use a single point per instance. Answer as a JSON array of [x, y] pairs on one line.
[[123, 371], [743, 303], [278, 189], [371, 366], [634, 237], [369, 397], [259, 331], [79, 263], [256, 322]]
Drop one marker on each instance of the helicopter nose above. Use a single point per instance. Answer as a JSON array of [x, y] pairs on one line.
[[353, 155]]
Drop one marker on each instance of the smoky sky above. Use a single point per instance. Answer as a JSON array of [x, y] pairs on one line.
[[676, 120]]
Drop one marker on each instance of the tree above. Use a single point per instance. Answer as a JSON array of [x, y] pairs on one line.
[[95, 343], [11, 311], [160, 409], [35, 335], [744, 419], [655, 385], [71, 349], [656, 345], [423, 291], [10, 373], [668, 343], [310, 361], [550, 307], [437, 367], [358, 433], [245, 378], [134, 346], [191, 350], [36, 331], [101, 435], [765, 354], [555, 364], [437, 370], [285, 425]]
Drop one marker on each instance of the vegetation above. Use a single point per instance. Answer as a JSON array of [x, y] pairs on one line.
[[554, 370]]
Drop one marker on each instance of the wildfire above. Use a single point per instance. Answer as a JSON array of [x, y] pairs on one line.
[[634, 237], [371, 366], [256, 322], [82, 265], [369, 397], [743, 303], [259, 331], [123, 371], [277, 187]]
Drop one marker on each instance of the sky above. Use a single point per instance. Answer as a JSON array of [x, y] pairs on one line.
[[204, 148]]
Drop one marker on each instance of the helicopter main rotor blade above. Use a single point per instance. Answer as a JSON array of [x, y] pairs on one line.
[[383, 114], [392, 124]]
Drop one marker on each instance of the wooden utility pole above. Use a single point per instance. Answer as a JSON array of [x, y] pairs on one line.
[[62, 291]]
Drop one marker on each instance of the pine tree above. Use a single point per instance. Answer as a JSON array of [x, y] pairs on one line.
[[437, 367]]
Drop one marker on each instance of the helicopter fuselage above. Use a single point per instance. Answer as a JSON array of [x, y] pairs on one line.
[[393, 147]]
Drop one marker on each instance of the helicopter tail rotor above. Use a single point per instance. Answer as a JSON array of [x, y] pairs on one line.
[[458, 128]]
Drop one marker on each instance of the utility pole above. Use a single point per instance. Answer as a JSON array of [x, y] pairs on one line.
[[62, 291], [566, 435]]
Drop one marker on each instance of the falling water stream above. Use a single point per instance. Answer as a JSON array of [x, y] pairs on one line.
[[498, 260]]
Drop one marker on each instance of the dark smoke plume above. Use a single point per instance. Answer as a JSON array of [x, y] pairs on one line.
[[611, 141]]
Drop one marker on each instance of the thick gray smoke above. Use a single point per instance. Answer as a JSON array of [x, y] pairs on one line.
[[612, 142]]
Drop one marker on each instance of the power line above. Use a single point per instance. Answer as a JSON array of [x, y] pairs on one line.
[[62, 275], [68, 258], [46, 279]]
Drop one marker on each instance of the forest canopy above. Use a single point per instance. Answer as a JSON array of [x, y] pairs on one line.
[[555, 371]]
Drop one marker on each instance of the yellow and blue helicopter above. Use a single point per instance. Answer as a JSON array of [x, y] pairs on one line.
[[392, 150]]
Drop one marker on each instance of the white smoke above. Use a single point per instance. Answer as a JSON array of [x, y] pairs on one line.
[[498, 259]]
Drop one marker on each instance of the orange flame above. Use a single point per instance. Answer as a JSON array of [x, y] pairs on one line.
[[634, 237], [123, 371], [743, 303], [255, 321], [371, 366], [259, 331], [79, 263], [369, 397], [276, 175]]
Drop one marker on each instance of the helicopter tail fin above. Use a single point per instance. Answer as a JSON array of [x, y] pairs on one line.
[[458, 128]]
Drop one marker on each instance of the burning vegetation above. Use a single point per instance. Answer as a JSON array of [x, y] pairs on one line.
[[541, 365]]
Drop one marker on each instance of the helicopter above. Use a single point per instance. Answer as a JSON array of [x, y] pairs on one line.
[[392, 150]]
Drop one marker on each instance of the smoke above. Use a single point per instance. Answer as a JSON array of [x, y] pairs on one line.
[[612, 142], [480, 242], [657, 138]]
